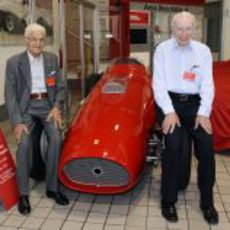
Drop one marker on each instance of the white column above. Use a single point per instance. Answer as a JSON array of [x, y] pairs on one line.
[[225, 39]]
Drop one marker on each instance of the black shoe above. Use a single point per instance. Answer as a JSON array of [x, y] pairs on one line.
[[169, 212], [210, 214], [58, 197], [24, 205]]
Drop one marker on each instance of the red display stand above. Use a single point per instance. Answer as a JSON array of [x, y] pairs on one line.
[[8, 186]]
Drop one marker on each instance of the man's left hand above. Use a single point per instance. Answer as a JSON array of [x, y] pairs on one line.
[[204, 122], [55, 114]]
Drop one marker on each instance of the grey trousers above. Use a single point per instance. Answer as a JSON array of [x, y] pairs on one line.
[[40, 110]]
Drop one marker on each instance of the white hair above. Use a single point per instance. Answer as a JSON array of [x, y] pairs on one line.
[[183, 14], [34, 27]]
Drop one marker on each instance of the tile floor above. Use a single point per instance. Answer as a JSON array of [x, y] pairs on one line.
[[139, 209]]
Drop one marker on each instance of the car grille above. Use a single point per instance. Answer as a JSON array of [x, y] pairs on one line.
[[96, 172]]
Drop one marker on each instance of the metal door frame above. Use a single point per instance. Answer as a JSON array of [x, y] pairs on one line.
[[89, 5]]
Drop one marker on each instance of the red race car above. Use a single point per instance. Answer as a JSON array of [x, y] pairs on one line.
[[105, 148]]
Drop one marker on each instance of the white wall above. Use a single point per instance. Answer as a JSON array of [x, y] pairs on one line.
[[225, 51], [5, 53]]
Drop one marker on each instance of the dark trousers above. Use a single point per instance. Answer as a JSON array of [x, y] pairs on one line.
[[203, 143]]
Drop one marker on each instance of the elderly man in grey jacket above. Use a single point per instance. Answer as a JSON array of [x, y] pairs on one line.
[[35, 89]]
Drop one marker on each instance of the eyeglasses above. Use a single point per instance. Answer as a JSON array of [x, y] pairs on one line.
[[34, 40]]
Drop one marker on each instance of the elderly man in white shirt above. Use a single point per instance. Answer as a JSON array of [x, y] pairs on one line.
[[184, 92]]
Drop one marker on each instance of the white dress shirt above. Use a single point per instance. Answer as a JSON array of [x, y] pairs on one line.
[[171, 62], [37, 74]]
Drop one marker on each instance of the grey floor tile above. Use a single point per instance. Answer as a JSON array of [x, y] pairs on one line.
[[154, 211], [225, 198], [198, 225], [134, 228], [136, 221], [34, 201], [223, 176], [221, 226], [227, 207], [122, 199], [138, 210], [40, 212], [222, 182], [52, 224], [119, 209], [100, 207], [180, 225], [140, 201], [191, 195], [91, 226], [114, 227], [33, 223], [194, 214], [219, 206], [182, 213], [36, 193], [8, 228], [156, 222], [14, 221], [116, 219], [82, 206], [192, 204], [86, 197], [104, 199], [78, 216], [72, 225], [96, 217], [192, 187], [3, 217], [59, 213], [46, 203], [225, 189], [154, 201], [223, 217], [11, 211]]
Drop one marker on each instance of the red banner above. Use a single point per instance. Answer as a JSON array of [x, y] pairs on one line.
[[8, 186], [174, 2]]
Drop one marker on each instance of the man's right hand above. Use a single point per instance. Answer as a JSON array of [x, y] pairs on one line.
[[18, 130], [170, 122]]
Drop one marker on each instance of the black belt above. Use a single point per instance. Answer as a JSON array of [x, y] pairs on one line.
[[39, 96], [184, 97]]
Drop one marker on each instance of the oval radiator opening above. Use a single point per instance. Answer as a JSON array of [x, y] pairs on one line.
[[96, 172]]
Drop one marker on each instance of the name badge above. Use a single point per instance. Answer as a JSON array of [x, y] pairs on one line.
[[189, 76], [51, 81]]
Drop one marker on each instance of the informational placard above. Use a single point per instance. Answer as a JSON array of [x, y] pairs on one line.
[[8, 186]]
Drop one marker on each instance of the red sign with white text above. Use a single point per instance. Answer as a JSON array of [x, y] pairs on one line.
[[139, 17], [8, 186], [174, 2]]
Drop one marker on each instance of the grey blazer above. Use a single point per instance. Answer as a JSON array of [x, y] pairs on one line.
[[18, 84]]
